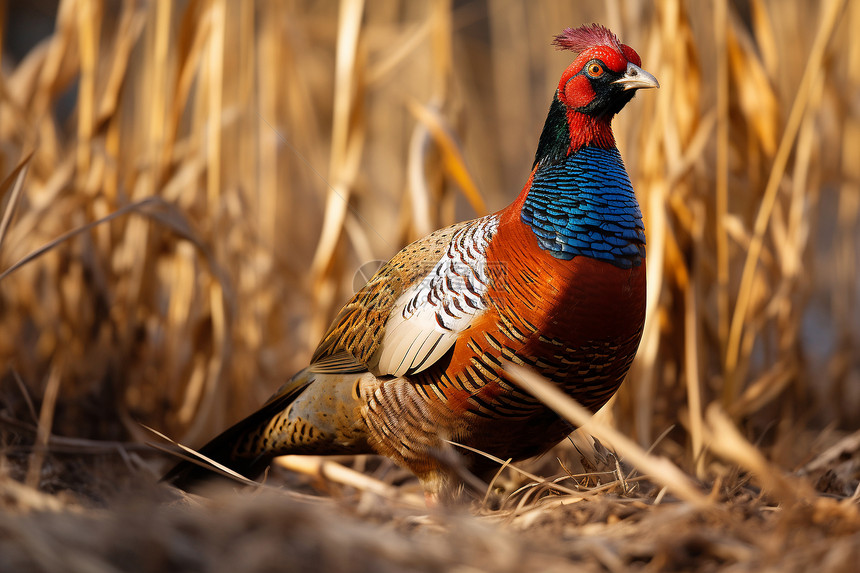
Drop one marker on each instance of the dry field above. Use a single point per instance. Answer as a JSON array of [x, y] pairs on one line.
[[191, 190]]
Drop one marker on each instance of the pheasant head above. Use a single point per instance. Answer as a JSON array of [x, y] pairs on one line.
[[598, 84]]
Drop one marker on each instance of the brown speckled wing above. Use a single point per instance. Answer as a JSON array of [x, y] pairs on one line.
[[358, 329]]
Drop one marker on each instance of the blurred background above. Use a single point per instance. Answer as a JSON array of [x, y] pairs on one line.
[[192, 187]]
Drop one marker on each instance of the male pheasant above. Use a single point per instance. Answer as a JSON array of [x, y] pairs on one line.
[[554, 281]]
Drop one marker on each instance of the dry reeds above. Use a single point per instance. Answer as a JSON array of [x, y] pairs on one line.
[[189, 190]]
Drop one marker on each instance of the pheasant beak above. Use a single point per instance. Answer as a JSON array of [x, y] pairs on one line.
[[636, 78]]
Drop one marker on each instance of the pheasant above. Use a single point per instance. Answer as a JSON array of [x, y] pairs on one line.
[[555, 281]]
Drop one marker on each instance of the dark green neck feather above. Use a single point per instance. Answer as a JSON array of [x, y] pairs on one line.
[[555, 138]]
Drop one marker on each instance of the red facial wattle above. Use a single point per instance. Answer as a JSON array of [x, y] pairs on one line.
[[575, 89]]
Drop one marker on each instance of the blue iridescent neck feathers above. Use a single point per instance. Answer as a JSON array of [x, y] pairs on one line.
[[585, 206]]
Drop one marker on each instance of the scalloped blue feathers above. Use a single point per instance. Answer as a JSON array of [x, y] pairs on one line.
[[585, 206]]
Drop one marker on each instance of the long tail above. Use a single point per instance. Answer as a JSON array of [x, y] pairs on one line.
[[225, 450]]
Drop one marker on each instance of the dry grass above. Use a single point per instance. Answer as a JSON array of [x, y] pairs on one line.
[[173, 243]]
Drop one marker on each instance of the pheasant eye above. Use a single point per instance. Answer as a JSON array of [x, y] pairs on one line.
[[595, 70]]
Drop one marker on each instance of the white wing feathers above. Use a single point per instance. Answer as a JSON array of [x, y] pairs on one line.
[[427, 318]]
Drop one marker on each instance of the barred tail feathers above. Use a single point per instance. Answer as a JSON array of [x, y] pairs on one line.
[[227, 448]]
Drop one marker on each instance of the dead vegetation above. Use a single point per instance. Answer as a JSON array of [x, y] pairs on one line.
[[190, 190]]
